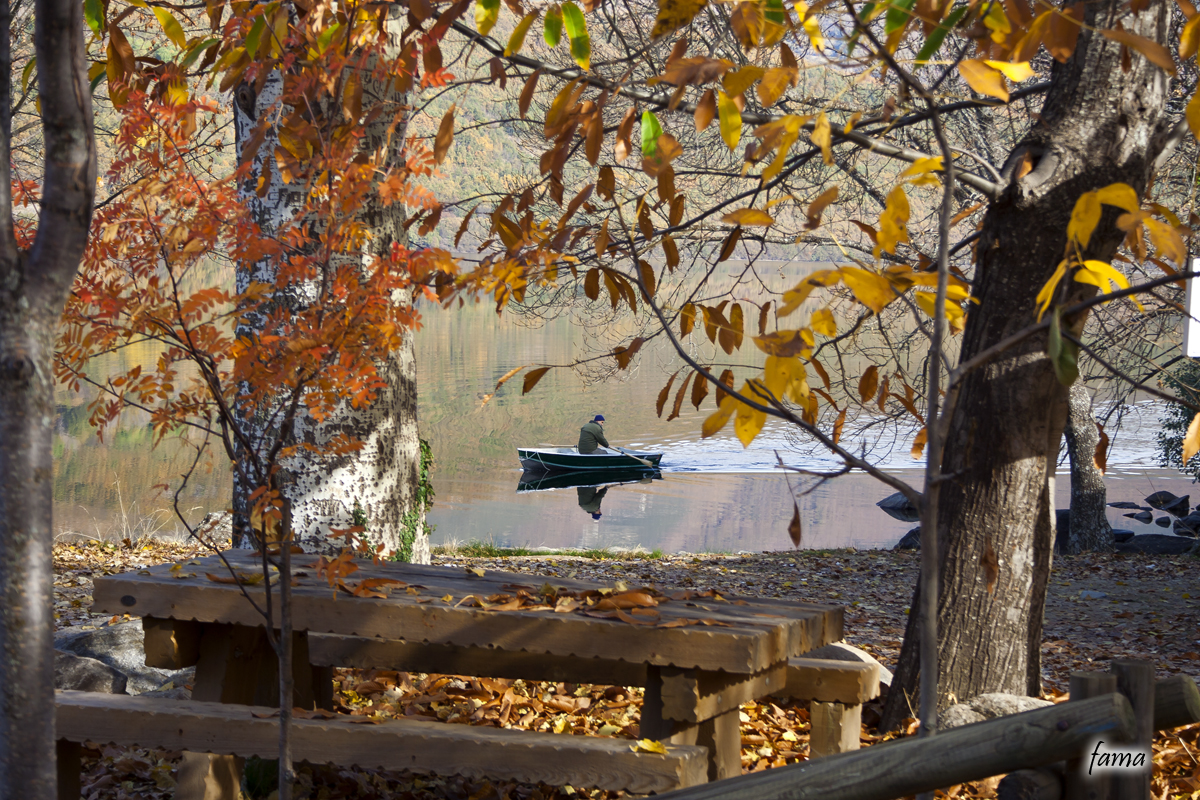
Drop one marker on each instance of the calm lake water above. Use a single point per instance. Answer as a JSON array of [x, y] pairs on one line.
[[713, 496]]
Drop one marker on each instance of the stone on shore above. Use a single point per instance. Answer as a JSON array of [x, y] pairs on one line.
[[989, 706], [120, 646], [1158, 544], [86, 674]]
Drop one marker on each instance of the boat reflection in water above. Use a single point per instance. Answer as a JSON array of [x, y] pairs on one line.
[[590, 486]]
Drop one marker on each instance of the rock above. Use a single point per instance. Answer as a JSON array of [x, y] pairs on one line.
[[1163, 522], [86, 674], [1159, 544], [1144, 517], [1165, 501], [840, 651], [120, 647], [1122, 535], [169, 691], [218, 525], [1188, 526], [988, 706], [910, 541], [898, 507], [1124, 504], [1088, 594], [959, 715]]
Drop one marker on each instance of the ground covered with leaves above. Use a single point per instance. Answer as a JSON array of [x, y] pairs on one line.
[[1099, 607]]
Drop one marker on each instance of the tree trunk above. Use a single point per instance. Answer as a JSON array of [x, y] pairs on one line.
[[1099, 125], [33, 289], [382, 478], [1090, 531]]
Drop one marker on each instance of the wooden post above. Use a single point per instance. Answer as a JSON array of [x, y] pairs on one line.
[[1135, 680], [1078, 785], [835, 728], [720, 734], [69, 764]]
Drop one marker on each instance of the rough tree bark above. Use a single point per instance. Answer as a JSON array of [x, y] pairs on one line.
[[382, 477], [1090, 531], [34, 285], [1099, 125]]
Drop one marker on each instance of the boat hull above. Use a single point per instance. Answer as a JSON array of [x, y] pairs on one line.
[[543, 480], [569, 459]]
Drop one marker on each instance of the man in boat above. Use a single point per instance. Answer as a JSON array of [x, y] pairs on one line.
[[589, 499], [591, 435]]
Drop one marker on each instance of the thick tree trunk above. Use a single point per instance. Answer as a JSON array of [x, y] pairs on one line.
[[381, 478], [1099, 125], [1090, 531], [33, 289]]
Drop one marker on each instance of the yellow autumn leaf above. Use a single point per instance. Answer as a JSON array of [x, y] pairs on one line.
[[893, 223], [749, 421], [870, 288], [738, 81], [517, 40], [1192, 112], [996, 21], [1158, 55], [648, 746], [748, 216], [1189, 39], [717, 420], [1046, 294], [823, 322], [955, 316], [793, 297], [674, 14], [730, 119], [822, 137], [1015, 72], [1166, 239], [1084, 219], [982, 78], [1191, 442]]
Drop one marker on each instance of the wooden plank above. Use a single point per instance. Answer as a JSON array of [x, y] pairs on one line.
[[1176, 702], [835, 728], [831, 627], [719, 734], [1135, 680], [908, 766], [171, 643], [420, 745], [694, 696], [355, 651], [847, 682], [760, 642]]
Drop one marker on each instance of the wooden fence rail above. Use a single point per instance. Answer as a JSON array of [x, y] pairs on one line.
[[908, 766]]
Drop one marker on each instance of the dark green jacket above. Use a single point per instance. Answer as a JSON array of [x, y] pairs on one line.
[[591, 436]]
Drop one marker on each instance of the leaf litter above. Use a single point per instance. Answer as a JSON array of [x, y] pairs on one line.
[[1098, 607]]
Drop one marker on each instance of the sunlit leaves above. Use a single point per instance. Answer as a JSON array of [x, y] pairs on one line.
[[486, 14], [651, 130], [171, 27], [93, 14], [1158, 55], [445, 136], [1191, 440], [1085, 216], [748, 216], [516, 41], [749, 421], [817, 207], [532, 377], [870, 288], [1063, 353], [1189, 39], [987, 77], [822, 137], [706, 111], [822, 322], [778, 136], [730, 120], [868, 384], [552, 26]]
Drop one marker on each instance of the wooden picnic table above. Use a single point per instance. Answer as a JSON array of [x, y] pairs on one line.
[[699, 656]]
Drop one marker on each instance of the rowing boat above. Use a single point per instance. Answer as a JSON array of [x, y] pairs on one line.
[[541, 480], [570, 459]]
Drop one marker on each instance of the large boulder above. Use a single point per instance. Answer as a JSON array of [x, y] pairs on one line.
[[1173, 505], [988, 706], [86, 674], [840, 651], [910, 540], [1158, 544], [1188, 526], [1144, 517], [120, 647]]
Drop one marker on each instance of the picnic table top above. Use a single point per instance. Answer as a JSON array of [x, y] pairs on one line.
[[493, 609]]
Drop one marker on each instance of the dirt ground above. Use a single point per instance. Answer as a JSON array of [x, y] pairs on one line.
[[1099, 607]]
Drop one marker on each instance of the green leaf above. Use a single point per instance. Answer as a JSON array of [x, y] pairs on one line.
[[581, 43], [26, 73], [171, 27], [651, 130], [195, 51], [775, 13], [517, 40], [552, 26], [93, 12], [260, 25], [897, 15], [486, 14], [323, 41], [934, 42], [1064, 354]]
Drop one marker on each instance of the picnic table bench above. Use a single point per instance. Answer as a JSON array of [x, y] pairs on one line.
[[698, 656]]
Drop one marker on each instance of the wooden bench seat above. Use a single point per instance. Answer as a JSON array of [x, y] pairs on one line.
[[400, 744]]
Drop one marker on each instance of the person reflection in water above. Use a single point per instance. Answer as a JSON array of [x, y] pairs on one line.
[[589, 499]]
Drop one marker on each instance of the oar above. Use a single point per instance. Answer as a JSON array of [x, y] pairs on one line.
[[635, 458]]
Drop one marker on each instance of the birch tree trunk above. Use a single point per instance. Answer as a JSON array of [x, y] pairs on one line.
[[382, 477], [1099, 125], [1090, 531], [34, 285]]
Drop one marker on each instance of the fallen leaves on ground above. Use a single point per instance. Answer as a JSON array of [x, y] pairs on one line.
[[1098, 607]]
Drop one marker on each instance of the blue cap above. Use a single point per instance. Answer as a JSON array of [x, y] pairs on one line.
[[598, 418]]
